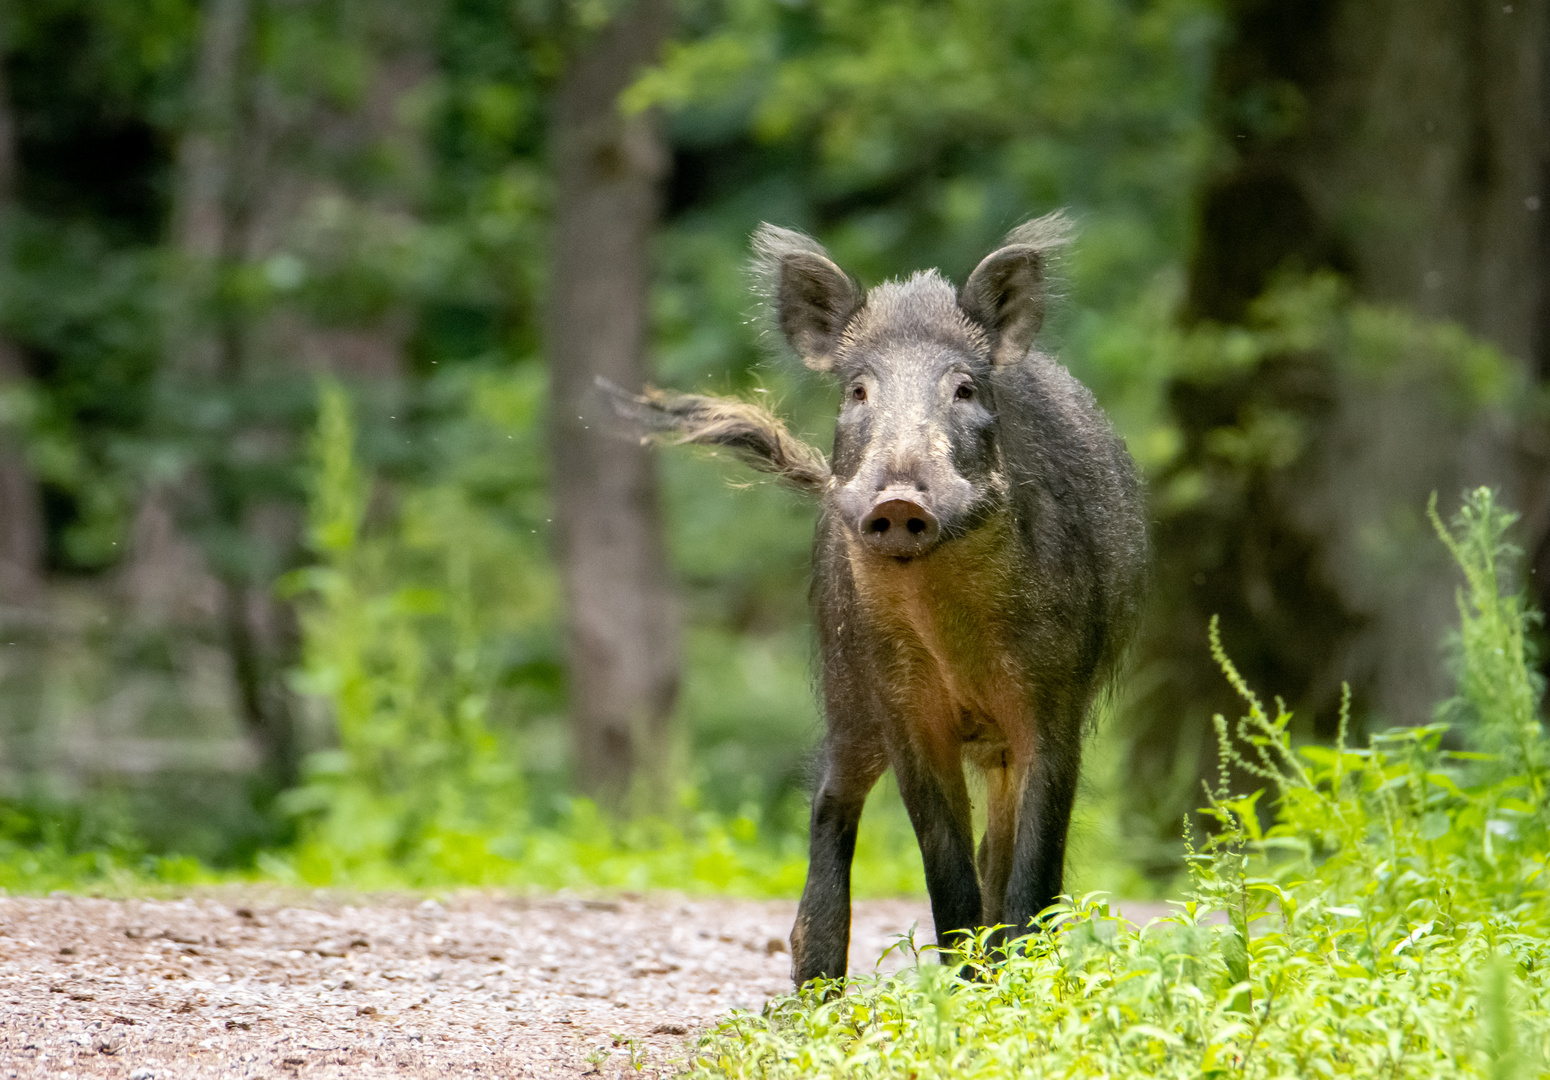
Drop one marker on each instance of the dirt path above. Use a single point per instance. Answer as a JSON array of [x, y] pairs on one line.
[[299, 985]]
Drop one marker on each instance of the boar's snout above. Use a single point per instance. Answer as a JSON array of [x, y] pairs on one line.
[[897, 525]]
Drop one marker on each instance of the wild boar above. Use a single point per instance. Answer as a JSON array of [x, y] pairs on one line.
[[977, 568]]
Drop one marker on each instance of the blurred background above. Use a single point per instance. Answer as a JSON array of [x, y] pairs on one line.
[[316, 556]]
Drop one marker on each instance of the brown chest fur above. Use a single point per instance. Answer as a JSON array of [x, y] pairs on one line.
[[945, 622]]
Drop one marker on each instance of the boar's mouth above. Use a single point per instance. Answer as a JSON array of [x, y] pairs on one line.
[[900, 527]]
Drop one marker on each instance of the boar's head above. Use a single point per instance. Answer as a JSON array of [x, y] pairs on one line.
[[916, 461]]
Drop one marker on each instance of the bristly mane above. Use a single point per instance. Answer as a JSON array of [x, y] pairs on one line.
[[924, 306]]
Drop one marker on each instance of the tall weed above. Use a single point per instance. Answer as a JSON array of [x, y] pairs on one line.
[[397, 662], [1499, 687], [426, 785]]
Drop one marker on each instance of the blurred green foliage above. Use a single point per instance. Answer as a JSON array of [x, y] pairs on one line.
[[402, 148]]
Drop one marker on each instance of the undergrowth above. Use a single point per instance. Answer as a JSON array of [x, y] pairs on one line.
[[47, 847], [426, 785], [1390, 922]]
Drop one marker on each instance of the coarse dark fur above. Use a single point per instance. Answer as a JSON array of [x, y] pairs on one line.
[[978, 567]]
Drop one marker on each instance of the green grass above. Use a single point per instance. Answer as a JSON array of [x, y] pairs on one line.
[[696, 852], [1391, 921], [692, 852]]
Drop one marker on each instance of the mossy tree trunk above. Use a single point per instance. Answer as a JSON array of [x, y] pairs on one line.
[[174, 584], [622, 620], [1405, 145], [21, 513]]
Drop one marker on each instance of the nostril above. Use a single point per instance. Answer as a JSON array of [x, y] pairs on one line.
[[880, 525], [916, 526]]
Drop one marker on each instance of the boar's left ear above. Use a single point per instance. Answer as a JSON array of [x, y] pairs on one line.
[[1006, 294]]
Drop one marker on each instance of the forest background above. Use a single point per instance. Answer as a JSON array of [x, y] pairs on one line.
[[306, 569]]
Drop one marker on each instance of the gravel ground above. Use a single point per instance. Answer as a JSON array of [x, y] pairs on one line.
[[299, 985], [253, 984]]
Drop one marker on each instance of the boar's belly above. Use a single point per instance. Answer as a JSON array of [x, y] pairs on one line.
[[954, 716]]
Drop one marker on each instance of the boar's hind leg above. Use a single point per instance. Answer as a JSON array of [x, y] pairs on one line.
[[820, 941], [938, 805], [1003, 787], [1038, 859]]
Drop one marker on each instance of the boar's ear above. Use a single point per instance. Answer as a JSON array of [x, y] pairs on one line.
[[1006, 293], [813, 299]]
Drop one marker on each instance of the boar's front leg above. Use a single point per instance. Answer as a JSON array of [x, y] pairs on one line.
[[1039, 855], [820, 940], [938, 803]]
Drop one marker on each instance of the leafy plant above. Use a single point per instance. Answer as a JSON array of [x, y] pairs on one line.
[[416, 756]]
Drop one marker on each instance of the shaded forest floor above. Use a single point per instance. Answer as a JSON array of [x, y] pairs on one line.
[[286, 983]]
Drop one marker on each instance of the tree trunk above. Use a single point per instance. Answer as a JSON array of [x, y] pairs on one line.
[[165, 578], [1405, 144], [206, 167], [21, 515], [171, 582], [623, 622], [23, 606]]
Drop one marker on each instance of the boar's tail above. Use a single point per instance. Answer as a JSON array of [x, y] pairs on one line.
[[755, 434]]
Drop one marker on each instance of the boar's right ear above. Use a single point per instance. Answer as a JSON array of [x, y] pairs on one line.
[[1006, 294], [813, 299]]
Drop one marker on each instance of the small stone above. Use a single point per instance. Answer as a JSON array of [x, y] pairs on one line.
[[68, 950], [142, 1073], [670, 1028], [366, 1010], [774, 945]]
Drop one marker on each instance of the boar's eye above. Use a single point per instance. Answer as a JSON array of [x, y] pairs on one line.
[[965, 392], [858, 392]]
